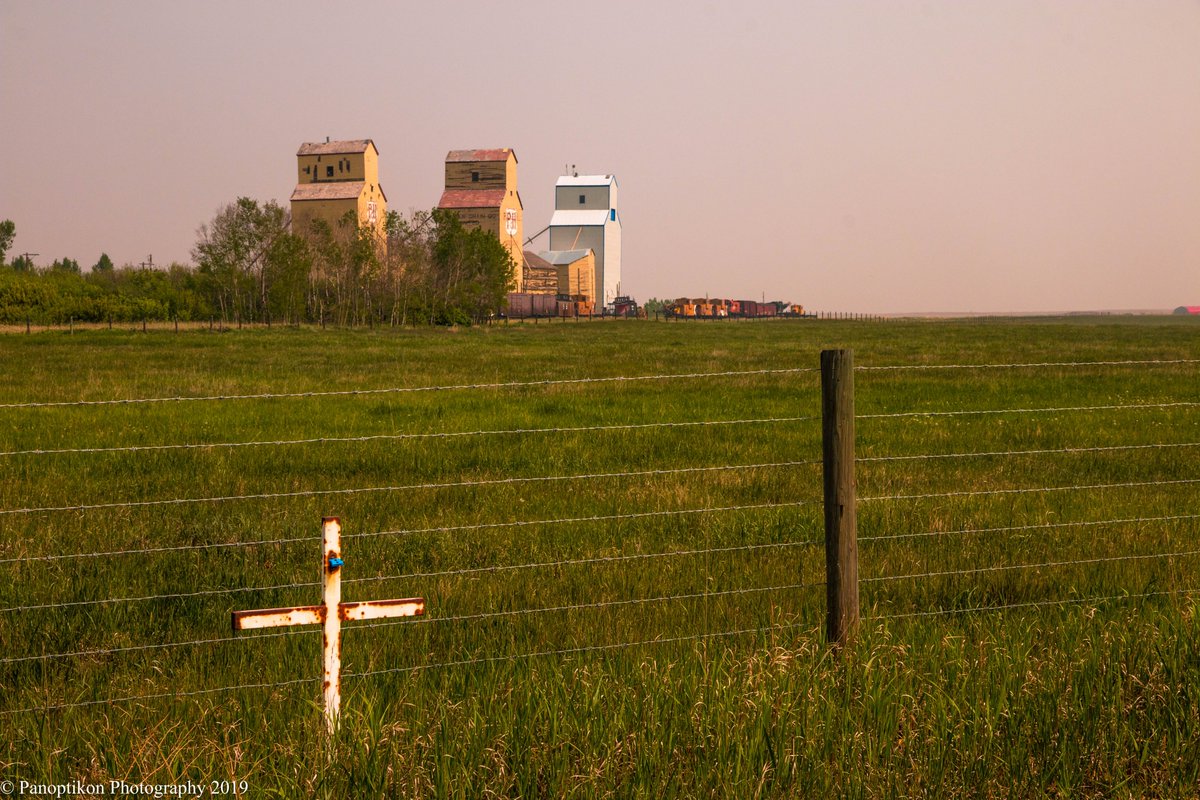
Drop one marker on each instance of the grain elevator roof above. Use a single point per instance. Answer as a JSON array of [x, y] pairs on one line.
[[560, 257], [586, 180], [335, 148], [499, 154], [536, 261], [336, 190]]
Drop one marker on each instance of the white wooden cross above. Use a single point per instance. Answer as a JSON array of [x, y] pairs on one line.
[[330, 613]]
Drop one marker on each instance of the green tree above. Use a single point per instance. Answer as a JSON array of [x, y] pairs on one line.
[[289, 264], [438, 272], [235, 250], [409, 267], [104, 264], [348, 276], [8, 232], [473, 271]]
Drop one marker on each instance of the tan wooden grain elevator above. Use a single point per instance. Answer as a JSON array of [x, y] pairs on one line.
[[333, 178], [481, 187]]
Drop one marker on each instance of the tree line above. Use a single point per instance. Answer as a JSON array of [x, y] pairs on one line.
[[249, 265]]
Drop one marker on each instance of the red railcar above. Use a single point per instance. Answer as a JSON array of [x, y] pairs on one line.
[[520, 305]]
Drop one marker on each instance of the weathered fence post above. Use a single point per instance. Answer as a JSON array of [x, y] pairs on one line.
[[331, 570], [841, 537]]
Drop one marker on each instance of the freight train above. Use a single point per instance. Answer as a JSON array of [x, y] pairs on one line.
[[522, 305], [717, 308]]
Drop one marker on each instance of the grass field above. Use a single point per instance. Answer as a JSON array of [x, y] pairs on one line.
[[533, 673]]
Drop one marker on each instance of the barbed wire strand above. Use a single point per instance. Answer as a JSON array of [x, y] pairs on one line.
[[159, 646], [566, 651], [569, 381], [1140, 362], [170, 549], [1011, 567], [570, 651], [379, 578], [412, 531], [1030, 604], [547, 653], [987, 492], [176, 596], [566, 520], [967, 413], [158, 696], [609, 559], [1039, 526], [426, 620], [1060, 450], [580, 429], [374, 489], [574, 650], [422, 621], [582, 561], [412, 389], [400, 436]]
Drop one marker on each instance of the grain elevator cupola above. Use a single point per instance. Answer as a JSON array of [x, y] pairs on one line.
[[333, 178]]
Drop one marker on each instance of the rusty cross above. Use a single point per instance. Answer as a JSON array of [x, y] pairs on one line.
[[331, 613]]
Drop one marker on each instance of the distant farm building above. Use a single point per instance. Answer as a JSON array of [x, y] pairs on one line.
[[585, 218], [333, 178], [541, 277], [481, 188], [575, 272]]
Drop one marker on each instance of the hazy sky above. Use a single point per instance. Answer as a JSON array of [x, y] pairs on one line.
[[867, 156]]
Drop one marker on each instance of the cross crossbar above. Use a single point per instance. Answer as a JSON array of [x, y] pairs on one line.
[[331, 614], [315, 615]]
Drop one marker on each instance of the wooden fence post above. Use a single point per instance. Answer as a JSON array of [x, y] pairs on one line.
[[841, 537]]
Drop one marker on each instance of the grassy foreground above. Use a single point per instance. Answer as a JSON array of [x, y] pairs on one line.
[[531, 674]]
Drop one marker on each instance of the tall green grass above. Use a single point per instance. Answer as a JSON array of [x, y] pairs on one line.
[[629, 672]]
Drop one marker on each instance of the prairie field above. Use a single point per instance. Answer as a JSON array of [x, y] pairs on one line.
[[623, 571]]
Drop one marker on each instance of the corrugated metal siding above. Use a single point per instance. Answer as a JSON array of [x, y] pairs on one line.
[[561, 217], [566, 198], [612, 260]]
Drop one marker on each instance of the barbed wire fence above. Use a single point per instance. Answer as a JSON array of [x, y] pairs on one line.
[[962, 595], [24, 666]]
